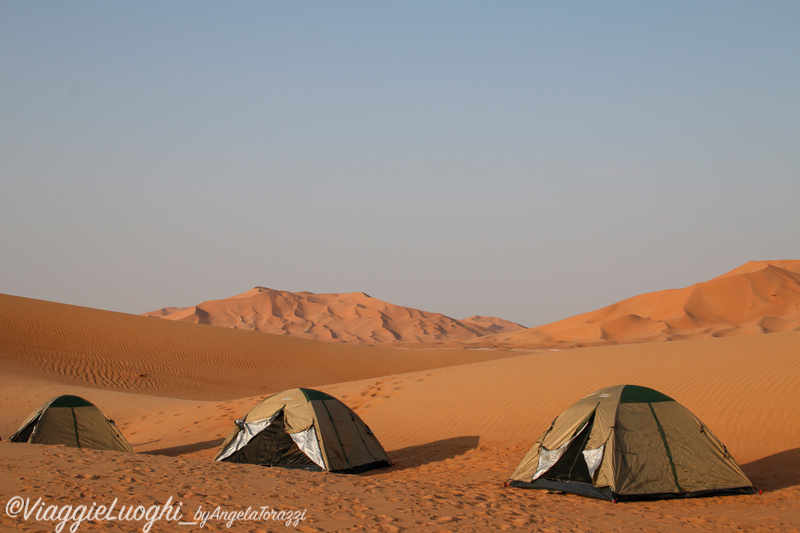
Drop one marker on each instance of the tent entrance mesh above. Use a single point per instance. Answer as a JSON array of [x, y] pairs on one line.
[[571, 466], [273, 447]]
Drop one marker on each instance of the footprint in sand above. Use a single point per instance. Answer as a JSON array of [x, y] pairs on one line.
[[381, 389]]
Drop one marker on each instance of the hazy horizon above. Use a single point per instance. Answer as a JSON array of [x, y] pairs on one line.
[[525, 160]]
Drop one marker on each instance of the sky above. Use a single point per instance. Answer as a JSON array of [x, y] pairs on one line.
[[527, 160]]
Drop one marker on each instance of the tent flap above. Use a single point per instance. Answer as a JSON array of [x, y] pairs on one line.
[[247, 430], [309, 445], [593, 459]]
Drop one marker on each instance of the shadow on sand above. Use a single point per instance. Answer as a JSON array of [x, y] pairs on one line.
[[775, 472], [187, 448], [414, 456]]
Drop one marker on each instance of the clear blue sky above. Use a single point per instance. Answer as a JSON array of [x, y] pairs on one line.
[[529, 160]]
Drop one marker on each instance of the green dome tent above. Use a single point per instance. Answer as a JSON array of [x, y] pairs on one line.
[[71, 421], [304, 428], [629, 442]]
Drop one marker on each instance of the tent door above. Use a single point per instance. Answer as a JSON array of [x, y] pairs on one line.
[[273, 447], [571, 466], [25, 433]]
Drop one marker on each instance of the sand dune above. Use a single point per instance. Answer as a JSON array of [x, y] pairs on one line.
[[128, 352], [455, 422], [352, 318], [758, 297], [492, 324]]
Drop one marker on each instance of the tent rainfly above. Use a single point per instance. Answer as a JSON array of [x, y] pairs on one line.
[[71, 421], [628, 443], [304, 428]]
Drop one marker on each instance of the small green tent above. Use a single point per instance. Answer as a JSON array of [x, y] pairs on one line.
[[304, 428], [71, 421], [629, 442]]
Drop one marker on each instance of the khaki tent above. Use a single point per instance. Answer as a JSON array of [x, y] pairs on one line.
[[304, 428], [629, 442], [71, 421]]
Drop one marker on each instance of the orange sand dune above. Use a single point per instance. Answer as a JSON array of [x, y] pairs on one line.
[[758, 297], [129, 352], [492, 324], [352, 318], [454, 431]]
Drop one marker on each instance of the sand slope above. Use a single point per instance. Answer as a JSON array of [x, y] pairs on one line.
[[350, 317], [743, 388], [758, 297], [129, 352]]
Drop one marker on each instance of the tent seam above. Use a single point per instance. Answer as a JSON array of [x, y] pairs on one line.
[[361, 436], [75, 425], [336, 431], [666, 447]]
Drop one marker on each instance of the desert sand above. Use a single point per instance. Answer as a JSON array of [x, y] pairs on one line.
[[456, 422]]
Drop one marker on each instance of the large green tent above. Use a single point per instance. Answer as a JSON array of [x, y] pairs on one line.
[[304, 428], [71, 421], [629, 442]]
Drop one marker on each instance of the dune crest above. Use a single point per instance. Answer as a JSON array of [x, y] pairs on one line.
[[757, 297], [354, 317]]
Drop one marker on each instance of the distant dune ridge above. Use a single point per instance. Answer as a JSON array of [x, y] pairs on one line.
[[758, 297], [353, 317]]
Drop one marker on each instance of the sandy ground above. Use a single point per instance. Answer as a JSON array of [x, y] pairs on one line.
[[455, 422]]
